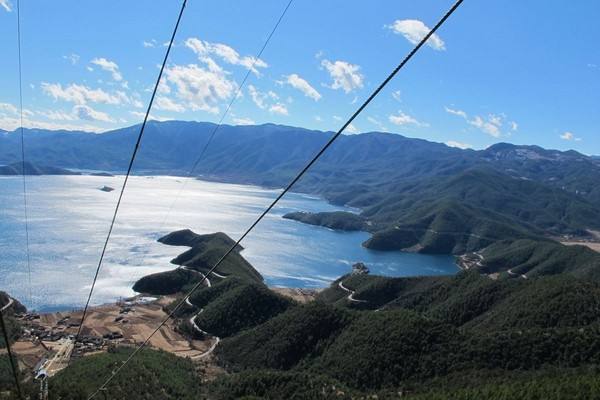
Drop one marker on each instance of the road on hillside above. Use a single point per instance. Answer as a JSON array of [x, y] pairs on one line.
[[351, 293]]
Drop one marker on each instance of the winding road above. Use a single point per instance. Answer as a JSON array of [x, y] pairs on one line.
[[206, 280], [218, 275], [197, 328], [193, 318], [351, 293], [7, 305], [511, 273]]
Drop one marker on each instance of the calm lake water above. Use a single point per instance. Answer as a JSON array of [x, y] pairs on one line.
[[69, 217]]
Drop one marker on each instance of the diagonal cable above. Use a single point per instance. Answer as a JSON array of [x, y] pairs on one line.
[[13, 365], [287, 189], [23, 151], [129, 168]]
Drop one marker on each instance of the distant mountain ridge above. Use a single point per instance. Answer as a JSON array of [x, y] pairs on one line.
[[31, 169]]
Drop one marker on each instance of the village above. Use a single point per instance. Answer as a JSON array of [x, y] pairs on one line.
[[48, 341]]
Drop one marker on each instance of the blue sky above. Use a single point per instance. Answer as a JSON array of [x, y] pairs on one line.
[[524, 72]]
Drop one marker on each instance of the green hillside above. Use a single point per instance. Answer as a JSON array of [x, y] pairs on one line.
[[264, 384], [169, 282], [12, 325], [464, 212], [241, 307], [554, 385], [7, 381], [407, 334], [535, 258], [386, 348], [301, 333], [150, 375]]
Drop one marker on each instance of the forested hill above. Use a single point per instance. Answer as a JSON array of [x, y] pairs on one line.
[[205, 251]]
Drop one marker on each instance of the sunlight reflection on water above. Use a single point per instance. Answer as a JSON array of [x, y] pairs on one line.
[[69, 218]]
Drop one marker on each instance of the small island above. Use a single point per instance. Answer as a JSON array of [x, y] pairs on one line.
[[107, 189], [105, 174]]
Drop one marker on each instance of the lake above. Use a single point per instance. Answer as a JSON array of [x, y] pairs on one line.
[[69, 218]]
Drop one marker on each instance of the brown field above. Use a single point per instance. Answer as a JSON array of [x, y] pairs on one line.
[[592, 245], [141, 321]]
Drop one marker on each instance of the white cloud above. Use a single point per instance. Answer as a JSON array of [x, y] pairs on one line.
[[6, 5], [89, 114], [151, 117], [202, 89], [414, 31], [278, 108], [570, 136], [397, 95], [257, 97], [492, 124], [13, 110], [404, 119], [73, 58], [337, 118], [567, 136], [166, 104], [80, 94], [351, 129], [377, 123], [57, 115], [460, 113], [459, 145], [204, 50], [302, 85], [318, 118], [109, 66], [243, 121], [163, 87], [149, 43], [344, 75], [137, 103], [7, 107]]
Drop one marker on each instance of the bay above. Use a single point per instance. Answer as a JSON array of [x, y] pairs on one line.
[[69, 218]]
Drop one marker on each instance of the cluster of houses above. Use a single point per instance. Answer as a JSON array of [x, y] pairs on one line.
[[36, 332]]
